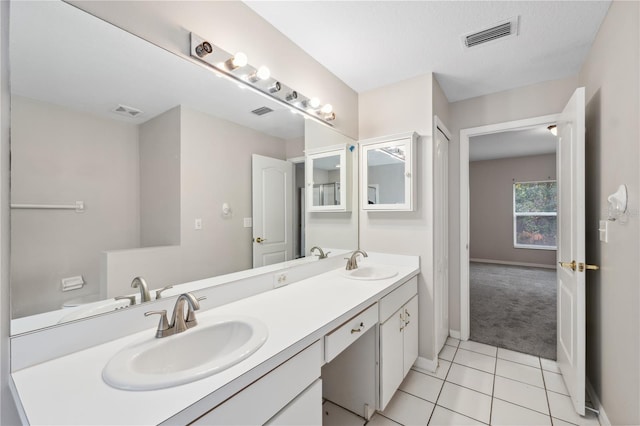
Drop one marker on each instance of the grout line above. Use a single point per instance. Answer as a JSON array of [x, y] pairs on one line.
[[524, 406], [526, 383], [460, 414], [386, 417], [473, 368], [444, 381], [493, 390], [546, 395]]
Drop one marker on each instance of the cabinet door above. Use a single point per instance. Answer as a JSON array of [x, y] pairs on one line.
[[410, 314], [391, 357], [306, 409]]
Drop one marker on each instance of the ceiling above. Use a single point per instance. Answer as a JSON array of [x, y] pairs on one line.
[[370, 44], [106, 67], [516, 143]]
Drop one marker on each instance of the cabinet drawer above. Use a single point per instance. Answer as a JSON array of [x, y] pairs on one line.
[[305, 410], [398, 297], [265, 397], [338, 340]]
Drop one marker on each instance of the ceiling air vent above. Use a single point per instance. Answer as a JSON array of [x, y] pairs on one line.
[[262, 111], [127, 111], [498, 31]]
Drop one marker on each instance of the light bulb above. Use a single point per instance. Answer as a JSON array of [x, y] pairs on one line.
[[314, 102], [327, 108], [239, 60], [263, 73]]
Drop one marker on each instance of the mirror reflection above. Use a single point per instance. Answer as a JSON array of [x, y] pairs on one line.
[[386, 175], [127, 161], [326, 180]]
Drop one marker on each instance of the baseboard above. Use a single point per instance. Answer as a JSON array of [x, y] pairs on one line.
[[455, 334], [506, 262], [602, 416], [426, 364]]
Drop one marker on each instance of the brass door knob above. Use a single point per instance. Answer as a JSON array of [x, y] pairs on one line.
[[571, 265], [583, 266], [260, 240]]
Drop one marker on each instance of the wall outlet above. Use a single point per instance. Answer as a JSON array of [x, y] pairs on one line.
[[280, 279], [197, 224]]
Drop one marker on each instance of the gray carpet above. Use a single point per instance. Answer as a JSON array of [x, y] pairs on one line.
[[514, 307]]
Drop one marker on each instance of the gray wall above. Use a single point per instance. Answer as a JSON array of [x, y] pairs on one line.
[[524, 102], [160, 180], [610, 75], [60, 156], [491, 207], [399, 108], [390, 177]]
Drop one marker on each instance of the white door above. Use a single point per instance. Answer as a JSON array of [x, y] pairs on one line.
[[571, 249], [272, 186], [441, 237]]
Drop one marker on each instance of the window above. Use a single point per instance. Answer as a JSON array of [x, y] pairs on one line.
[[535, 215]]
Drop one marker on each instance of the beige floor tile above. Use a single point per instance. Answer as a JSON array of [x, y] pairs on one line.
[[478, 347], [475, 360], [520, 372], [519, 357], [444, 417], [407, 409], [466, 402], [422, 386], [522, 394], [471, 378], [506, 414]]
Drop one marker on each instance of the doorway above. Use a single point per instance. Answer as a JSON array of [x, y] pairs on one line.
[[513, 238], [465, 137]]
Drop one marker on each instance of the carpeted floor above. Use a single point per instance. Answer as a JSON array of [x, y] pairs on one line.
[[514, 307]]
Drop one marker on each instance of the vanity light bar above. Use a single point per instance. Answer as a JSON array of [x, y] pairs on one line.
[[259, 79]]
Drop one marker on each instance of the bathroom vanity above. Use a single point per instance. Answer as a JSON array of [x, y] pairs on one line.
[[327, 334]]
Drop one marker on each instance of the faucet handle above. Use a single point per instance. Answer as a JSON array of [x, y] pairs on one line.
[[159, 292], [191, 315], [131, 299], [163, 325]]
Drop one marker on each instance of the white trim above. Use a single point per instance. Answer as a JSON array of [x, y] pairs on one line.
[[430, 365], [438, 124], [465, 134], [455, 334], [506, 262], [602, 416], [327, 148], [296, 160]]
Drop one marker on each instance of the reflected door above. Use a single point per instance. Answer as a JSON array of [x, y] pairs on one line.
[[272, 185]]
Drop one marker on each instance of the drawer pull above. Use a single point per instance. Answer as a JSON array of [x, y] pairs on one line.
[[358, 330]]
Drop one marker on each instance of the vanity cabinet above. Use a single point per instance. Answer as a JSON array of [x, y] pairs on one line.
[[398, 348], [328, 179], [388, 173], [288, 394]]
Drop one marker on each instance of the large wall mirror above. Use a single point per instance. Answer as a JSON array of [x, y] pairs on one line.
[[158, 150]]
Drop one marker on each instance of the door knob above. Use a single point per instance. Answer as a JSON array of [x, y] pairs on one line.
[[571, 265], [259, 240], [583, 266]]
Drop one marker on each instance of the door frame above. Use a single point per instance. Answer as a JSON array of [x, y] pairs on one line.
[[465, 134]]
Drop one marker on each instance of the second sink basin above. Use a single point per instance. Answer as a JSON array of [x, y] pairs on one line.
[[371, 272], [210, 347]]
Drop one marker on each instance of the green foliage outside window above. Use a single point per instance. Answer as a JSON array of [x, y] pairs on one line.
[[535, 213]]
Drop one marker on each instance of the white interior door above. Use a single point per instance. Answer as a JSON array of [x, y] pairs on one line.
[[441, 236], [571, 248], [272, 192]]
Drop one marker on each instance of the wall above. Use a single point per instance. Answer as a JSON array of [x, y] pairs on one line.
[[525, 102], [491, 207], [403, 107], [216, 168], [610, 75], [8, 413], [392, 191], [160, 180], [68, 156], [332, 229], [234, 27]]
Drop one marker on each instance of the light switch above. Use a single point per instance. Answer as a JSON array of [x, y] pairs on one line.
[[248, 222], [603, 229], [197, 224]]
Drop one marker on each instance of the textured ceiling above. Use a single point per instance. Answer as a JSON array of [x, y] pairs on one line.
[[370, 44]]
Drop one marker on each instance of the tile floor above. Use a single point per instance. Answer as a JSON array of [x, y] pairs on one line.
[[477, 384]]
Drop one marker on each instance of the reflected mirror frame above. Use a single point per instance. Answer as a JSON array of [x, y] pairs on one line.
[[343, 185]]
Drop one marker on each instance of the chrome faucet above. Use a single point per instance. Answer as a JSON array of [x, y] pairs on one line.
[[139, 282], [352, 262], [179, 322], [322, 254]]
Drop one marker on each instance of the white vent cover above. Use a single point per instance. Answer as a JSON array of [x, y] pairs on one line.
[[501, 30], [127, 111]]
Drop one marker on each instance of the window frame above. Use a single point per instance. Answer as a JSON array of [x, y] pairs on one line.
[[525, 214]]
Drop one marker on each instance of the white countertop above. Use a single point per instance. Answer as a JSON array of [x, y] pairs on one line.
[[70, 390]]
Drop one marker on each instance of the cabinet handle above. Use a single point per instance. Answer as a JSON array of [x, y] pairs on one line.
[[357, 330], [408, 316], [402, 323]]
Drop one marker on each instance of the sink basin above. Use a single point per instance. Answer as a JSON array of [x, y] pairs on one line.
[[208, 348], [371, 272]]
